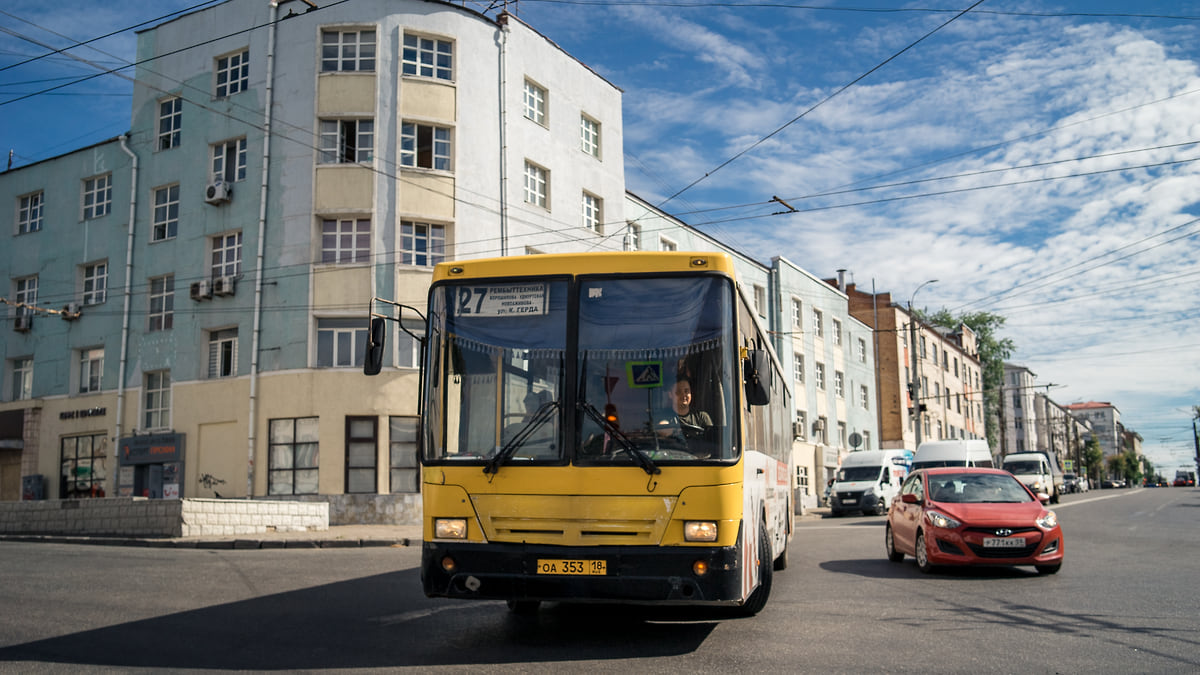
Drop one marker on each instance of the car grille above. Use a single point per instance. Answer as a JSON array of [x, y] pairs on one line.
[[991, 531], [1023, 552]]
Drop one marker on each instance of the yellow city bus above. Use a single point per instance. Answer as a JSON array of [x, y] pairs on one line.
[[563, 458]]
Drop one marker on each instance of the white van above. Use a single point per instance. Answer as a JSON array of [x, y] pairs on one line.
[[1034, 470], [868, 480], [962, 452]]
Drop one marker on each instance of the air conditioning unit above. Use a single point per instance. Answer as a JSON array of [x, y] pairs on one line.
[[218, 192], [70, 312], [797, 430], [818, 426], [201, 290], [224, 285], [23, 323]]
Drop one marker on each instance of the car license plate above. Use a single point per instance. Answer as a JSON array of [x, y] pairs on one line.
[[572, 567], [849, 501], [1003, 542]]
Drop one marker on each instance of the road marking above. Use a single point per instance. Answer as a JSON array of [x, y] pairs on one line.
[[410, 616], [1123, 493]]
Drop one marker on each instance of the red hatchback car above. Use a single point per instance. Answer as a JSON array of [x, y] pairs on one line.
[[972, 516]]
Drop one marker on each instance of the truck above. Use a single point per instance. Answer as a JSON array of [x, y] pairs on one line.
[[1035, 471], [867, 481], [959, 452]]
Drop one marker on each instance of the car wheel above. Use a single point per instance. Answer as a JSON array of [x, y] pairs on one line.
[[1054, 497], [889, 543], [923, 555], [758, 599], [1048, 569], [882, 507], [523, 607]]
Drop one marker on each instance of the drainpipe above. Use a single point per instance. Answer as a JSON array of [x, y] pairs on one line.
[[502, 21], [133, 179], [258, 260]]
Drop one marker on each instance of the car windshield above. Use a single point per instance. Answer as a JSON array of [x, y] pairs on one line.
[[985, 488], [858, 473], [1025, 466]]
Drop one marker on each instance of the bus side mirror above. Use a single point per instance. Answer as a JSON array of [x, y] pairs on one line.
[[373, 362], [756, 369]]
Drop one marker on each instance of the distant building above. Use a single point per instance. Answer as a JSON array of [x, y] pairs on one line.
[[1019, 428]]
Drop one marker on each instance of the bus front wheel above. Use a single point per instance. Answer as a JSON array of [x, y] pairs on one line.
[[758, 599]]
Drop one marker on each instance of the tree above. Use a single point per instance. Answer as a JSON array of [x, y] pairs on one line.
[[993, 350], [1131, 468], [1093, 457]]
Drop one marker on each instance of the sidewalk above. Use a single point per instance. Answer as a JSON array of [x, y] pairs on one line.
[[337, 536]]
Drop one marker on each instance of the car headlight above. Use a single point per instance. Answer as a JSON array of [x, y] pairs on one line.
[[1037, 486], [699, 530], [941, 520], [1047, 521], [450, 528]]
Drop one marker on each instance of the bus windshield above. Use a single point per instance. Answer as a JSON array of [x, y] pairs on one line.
[[654, 371], [655, 358]]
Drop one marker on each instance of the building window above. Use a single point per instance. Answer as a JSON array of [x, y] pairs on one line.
[[760, 300], [361, 444], [27, 294], [166, 213], [593, 213], [798, 367], [424, 146], [29, 213], [422, 244], [822, 435], [864, 397], [347, 141], [836, 328], [95, 283], [818, 324], [97, 196], [797, 314], [162, 303], [633, 237], [402, 455], [91, 369], [222, 353], [229, 161], [226, 255], [801, 430], [665, 244], [84, 466], [933, 352], [842, 435], [293, 456], [341, 343], [537, 185], [589, 136], [346, 240], [819, 374], [839, 384], [347, 51], [427, 57], [922, 346], [170, 122], [233, 73], [157, 400], [22, 380], [535, 103], [862, 350], [802, 479], [408, 346]]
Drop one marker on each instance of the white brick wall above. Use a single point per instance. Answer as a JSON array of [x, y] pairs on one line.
[[161, 517]]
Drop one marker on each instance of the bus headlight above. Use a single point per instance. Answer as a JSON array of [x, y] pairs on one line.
[[699, 530], [450, 528]]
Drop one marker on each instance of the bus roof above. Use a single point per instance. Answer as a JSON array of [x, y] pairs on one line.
[[606, 262]]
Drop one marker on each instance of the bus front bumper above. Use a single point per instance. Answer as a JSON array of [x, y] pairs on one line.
[[536, 572]]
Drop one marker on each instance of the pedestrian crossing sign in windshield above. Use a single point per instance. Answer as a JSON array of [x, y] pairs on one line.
[[644, 374]]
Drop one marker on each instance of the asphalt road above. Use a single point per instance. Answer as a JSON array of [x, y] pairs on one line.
[[1125, 601]]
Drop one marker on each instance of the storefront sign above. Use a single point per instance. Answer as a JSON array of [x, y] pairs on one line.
[[76, 414], [152, 449]]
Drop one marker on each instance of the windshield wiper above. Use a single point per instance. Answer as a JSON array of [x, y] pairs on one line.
[[622, 440], [542, 415]]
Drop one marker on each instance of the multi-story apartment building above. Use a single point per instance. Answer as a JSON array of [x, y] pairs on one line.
[[1019, 422], [947, 384], [223, 254], [1105, 422], [1060, 434]]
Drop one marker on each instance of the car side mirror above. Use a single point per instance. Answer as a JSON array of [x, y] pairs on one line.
[[910, 498], [1043, 497]]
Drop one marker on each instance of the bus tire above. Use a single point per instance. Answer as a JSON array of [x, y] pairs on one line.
[[781, 562], [758, 599]]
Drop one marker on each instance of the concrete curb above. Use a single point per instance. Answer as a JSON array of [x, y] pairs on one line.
[[220, 544]]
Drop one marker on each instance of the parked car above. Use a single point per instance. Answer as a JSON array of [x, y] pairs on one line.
[[972, 516], [1180, 482]]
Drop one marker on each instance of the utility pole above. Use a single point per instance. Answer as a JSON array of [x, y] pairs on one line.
[[915, 376]]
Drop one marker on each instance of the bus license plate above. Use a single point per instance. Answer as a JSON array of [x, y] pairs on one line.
[[1004, 542], [572, 567]]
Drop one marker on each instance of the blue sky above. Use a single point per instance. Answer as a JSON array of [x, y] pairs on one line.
[[1040, 159]]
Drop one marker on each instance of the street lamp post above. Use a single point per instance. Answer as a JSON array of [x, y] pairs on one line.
[[915, 384]]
